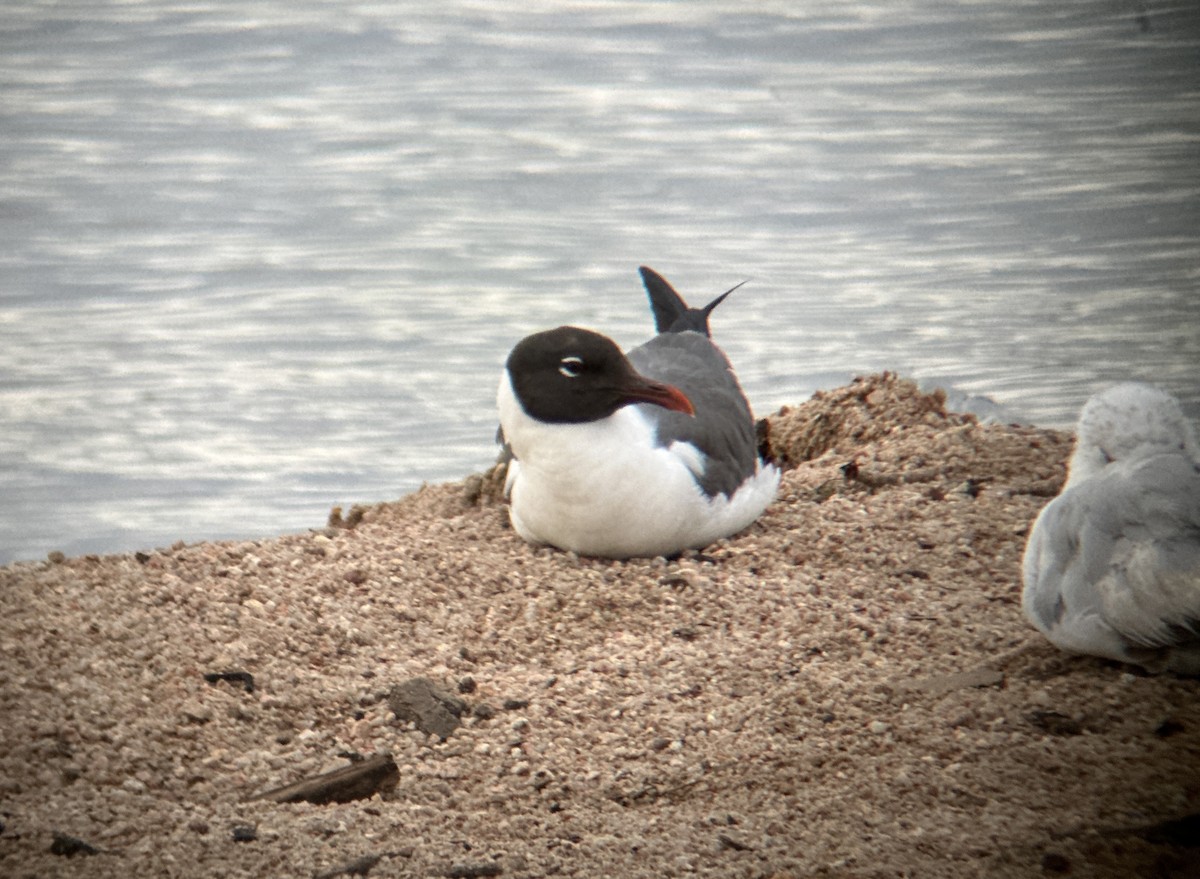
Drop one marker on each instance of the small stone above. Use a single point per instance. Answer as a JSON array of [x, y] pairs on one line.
[[70, 846], [1053, 862], [196, 712], [878, 727], [242, 677], [56, 557], [1168, 728], [433, 710], [1042, 698], [1055, 723]]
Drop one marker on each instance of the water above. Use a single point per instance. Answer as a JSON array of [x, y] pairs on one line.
[[264, 258]]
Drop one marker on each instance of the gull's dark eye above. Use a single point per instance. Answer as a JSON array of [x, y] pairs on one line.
[[571, 366]]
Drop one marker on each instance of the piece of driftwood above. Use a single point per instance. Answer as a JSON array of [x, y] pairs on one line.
[[358, 781]]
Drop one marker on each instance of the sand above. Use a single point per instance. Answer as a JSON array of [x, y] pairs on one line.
[[847, 689]]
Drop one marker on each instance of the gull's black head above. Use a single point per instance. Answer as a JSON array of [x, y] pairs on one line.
[[571, 376]]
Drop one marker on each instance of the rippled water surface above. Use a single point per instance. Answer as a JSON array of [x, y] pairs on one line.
[[262, 258]]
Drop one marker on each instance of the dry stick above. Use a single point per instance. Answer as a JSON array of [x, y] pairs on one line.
[[357, 781]]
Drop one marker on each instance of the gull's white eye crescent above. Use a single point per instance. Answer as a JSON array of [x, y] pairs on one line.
[[570, 366]]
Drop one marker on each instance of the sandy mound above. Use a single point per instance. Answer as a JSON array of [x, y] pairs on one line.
[[847, 689]]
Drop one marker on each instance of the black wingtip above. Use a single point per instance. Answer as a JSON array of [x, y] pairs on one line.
[[667, 305], [671, 312]]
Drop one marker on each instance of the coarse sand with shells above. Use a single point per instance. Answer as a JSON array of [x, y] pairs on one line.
[[847, 689]]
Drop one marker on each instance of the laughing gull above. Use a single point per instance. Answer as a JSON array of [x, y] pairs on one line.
[[636, 455], [1112, 566]]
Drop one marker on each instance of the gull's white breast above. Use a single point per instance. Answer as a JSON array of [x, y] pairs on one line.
[[605, 488]]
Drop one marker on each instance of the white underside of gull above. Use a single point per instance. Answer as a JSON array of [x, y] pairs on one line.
[[604, 488]]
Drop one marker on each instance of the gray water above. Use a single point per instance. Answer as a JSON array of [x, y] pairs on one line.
[[263, 258]]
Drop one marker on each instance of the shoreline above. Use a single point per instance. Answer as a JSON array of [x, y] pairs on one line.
[[847, 688]]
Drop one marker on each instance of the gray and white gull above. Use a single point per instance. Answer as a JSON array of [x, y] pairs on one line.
[[1112, 565], [631, 455]]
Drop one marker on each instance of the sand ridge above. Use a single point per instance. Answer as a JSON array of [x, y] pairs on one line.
[[846, 689]]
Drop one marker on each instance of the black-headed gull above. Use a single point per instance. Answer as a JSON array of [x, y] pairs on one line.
[[630, 455], [1112, 565]]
